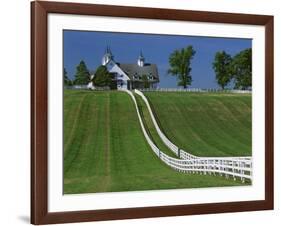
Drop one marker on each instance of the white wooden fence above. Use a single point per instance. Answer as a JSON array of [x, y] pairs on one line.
[[197, 90], [77, 87], [240, 167]]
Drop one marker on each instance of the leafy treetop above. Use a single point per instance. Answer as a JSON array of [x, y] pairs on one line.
[[221, 66], [180, 65]]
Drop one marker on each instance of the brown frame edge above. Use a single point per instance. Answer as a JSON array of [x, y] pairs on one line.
[[39, 117]]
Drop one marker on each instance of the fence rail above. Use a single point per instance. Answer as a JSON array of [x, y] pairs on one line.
[[240, 167], [197, 90]]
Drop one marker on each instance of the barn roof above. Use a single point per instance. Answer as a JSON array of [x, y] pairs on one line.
[[135, 72]]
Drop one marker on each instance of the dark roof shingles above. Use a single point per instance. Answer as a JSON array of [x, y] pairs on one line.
[[134, 69]]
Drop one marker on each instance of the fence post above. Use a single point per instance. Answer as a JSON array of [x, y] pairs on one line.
[[233, 169]]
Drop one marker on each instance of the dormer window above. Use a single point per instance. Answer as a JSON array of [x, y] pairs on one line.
[[136, 76]]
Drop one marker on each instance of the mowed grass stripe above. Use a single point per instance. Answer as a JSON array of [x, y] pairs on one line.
[[181, 115], [210, 118], [104, 184], [71, 115], [109, 152], [205, 124], [239, 118], [85, 161]]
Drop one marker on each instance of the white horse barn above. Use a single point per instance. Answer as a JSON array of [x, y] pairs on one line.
[[130, 76]]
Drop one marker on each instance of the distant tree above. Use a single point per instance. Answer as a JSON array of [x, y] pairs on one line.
[[66, 80], [241, 69], [102, 77], [144, 79], [221, 66], [180, 61], [82, 76]]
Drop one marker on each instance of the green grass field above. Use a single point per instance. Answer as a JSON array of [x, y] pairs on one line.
[[105, 150], [150, 128], [205, 124]]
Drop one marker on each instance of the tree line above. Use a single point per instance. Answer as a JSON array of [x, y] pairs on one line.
[[236, 70], [102, 77], [83, 77]]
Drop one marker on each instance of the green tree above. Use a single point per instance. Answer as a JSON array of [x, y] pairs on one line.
[[180, 65], [66, 80], [102, 77], [221, 66], [144, 79], [241, 69], [82, 76]]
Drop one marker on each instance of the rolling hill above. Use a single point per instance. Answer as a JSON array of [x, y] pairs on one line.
[[205, 124], [105, 149]]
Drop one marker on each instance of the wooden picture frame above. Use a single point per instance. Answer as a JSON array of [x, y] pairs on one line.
[[39, 112]]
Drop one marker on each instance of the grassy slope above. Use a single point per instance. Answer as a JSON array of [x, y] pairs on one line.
[[105, 150], [205, 124], [150, 128]]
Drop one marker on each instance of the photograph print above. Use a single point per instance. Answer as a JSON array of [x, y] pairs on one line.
[[151, 112]]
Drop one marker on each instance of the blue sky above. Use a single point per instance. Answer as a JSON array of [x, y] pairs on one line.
[[90, 47]]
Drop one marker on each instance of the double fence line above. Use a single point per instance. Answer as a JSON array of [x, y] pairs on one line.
[[237, 167]]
